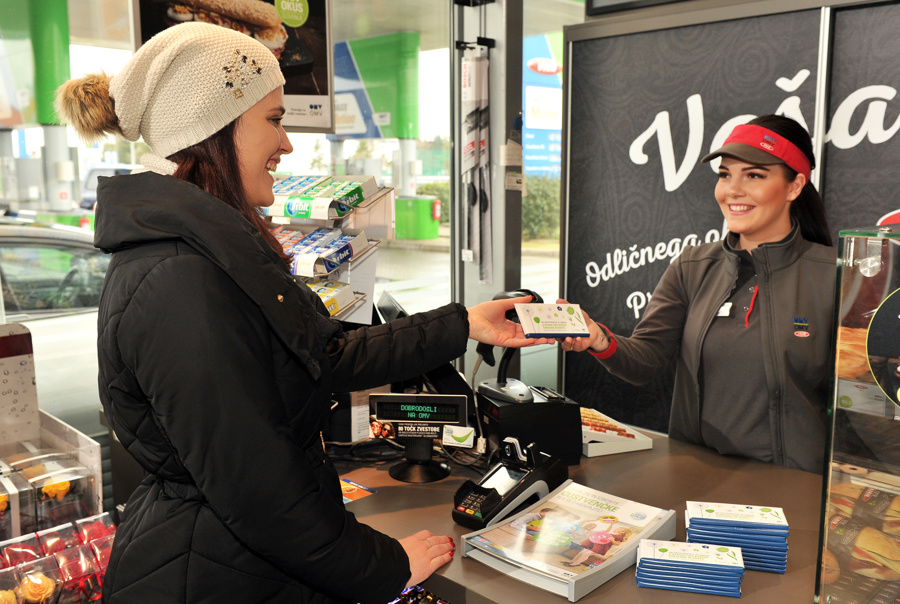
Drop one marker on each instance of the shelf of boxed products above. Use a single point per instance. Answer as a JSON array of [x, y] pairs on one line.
[[321, 198], [64, 563], [326, 224], [327, 258]]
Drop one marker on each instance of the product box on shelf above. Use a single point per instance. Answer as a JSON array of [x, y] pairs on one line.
[[101, 547], [63, 491], [319, 198], [19, 550], [17, 509], [601, 435], [319, 260], [80, 575], [39, 581], [57, 538], [335, 295], [861, 521], [9, 581], [95, 527], [18, 461], [352, 189], [297, 185]]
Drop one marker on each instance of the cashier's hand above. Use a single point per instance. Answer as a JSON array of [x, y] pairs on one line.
[[488, 324], [598, 341], [426, 553]]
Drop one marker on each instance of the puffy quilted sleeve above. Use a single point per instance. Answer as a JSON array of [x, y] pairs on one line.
[[401, 349]]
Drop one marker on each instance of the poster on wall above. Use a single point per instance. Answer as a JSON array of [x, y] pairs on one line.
[[643, 110], [298, 32], [542, 101], [860, 181]]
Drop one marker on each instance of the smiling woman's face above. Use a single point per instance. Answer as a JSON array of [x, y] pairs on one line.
[[261, 141], [756, 200]]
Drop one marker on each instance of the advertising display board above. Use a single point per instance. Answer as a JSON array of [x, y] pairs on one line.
[[542, 103], [375, 82], [298, 32], [643, 109], [860, 183]]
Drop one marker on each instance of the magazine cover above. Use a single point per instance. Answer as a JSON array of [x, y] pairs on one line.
[[571, 541]]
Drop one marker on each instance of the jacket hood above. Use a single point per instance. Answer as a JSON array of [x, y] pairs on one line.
[[146, 207]]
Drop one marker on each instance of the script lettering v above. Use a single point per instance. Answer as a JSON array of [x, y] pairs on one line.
[[673, 177]]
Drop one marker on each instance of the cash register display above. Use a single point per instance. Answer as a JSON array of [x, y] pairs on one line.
[[502, 479]]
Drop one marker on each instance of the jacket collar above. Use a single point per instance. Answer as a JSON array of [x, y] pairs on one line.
[[147, 207], [775, 255]]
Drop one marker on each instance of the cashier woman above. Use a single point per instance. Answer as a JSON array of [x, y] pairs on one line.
[[746, 321]]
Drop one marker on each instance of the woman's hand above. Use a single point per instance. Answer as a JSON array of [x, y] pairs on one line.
[[426, 553], [488, 324], [598, 342]]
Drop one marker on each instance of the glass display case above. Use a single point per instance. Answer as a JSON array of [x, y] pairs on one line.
[[860, 557]]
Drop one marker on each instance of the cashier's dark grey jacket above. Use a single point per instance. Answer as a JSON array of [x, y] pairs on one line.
[[216, 371], [796, 279]]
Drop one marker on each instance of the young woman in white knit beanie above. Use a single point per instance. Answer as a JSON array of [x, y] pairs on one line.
[[216, 367]]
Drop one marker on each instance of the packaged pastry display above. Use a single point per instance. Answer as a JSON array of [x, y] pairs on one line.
[[602, 435], [860, 558]]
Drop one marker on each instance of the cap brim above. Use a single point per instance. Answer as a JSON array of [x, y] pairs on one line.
[[744, 152]]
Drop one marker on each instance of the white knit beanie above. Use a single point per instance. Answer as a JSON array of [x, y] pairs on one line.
[[190, 81]]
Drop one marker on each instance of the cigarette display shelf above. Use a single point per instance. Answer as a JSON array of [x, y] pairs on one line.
[[374, 217]]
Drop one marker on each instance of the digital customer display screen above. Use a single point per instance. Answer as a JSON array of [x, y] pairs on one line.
[[420, 408]]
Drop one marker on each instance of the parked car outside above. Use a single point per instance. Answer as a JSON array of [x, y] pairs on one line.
[[51, 279], [89, 184]]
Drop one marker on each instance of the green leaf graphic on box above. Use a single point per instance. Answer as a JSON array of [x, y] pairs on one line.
[[462, 439], [537, 319], [570, 310]]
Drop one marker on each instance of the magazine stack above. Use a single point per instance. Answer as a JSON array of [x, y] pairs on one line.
[[572, 541], [760, 532], [695, 567]]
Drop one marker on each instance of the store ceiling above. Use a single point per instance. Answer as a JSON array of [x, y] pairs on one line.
[[106, 22]]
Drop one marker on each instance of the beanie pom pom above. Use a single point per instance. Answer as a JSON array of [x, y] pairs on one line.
[[85, 104]]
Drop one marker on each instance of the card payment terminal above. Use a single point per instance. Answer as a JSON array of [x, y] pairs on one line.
[[521, 478]]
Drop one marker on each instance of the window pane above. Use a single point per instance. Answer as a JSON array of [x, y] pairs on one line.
[[48, 278]]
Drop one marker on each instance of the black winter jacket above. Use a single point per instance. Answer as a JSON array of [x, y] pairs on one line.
[[216, 372]]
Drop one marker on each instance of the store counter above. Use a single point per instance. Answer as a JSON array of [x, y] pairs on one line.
[[665, 476]]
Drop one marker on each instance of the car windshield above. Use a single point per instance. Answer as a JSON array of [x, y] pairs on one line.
[[50, 277]]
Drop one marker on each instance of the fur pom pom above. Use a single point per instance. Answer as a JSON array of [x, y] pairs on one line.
[[85, 104]]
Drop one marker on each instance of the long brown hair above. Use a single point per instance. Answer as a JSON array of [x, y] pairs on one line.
[[212, 165]]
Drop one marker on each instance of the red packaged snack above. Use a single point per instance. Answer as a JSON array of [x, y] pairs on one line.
[[79, 569], [21, 550], [58, 538]]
